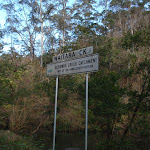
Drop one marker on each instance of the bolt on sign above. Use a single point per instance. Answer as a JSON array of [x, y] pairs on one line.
[[73, 54], [79, 65]]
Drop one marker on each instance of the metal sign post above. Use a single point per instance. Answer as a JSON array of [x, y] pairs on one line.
[[86, 112], [79, 61], [56, 93]]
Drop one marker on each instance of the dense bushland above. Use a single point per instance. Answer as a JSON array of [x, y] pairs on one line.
[[119, 93]]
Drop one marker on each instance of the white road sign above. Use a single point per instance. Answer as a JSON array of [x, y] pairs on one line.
[[73, 54], [80, 65]]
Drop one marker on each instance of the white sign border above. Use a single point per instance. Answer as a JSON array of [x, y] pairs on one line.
[[70, 60], [74, 51]]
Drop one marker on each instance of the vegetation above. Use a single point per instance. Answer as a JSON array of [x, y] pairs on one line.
[[9, 140], [119, 93]]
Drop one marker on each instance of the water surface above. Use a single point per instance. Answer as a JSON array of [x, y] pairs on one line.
[[67, 140]]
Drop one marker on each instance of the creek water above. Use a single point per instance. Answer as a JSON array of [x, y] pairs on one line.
[[67, 140], [77, 140]]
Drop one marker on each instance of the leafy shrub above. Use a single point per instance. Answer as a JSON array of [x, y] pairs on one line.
[[11, 141]]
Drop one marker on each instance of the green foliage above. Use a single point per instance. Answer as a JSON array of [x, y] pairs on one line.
[[106, 94], [116, 145], [11, 141], [118, 94], [47, 58], [143, 95], [105, 102], [139, 38], [10, 73], [141, 125], [138, 99]]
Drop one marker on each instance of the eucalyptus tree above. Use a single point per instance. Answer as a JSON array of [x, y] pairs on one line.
[[129, 14], [1, 42], [138, 102], [62, 21], [27, 21], [85, 20], [9, 22], [41, 18], [17, 26], [124, 17]]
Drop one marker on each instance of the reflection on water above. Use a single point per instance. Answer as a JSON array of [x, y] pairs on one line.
[[66, 140], [77, 140]]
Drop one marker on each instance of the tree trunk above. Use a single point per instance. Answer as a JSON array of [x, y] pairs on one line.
[[106, 7], [144, 93], [42, 43], [42, 35], [31, 47], [64, 6], [132, 118]]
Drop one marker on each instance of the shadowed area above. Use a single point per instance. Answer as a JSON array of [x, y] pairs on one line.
[[73, 149]]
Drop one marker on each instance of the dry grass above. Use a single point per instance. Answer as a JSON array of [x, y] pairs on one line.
[[29, 114]]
